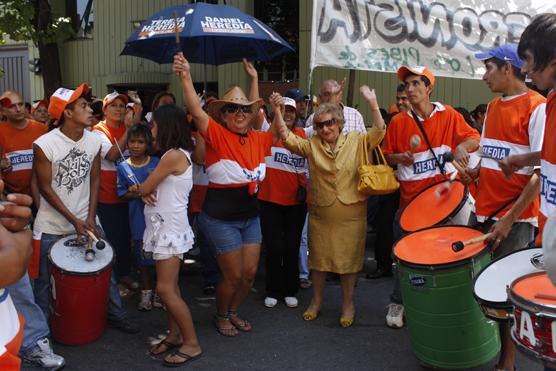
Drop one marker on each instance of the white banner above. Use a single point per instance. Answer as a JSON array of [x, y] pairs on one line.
[[382, 35]]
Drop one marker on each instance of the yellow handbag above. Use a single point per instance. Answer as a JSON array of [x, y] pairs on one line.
[[376, 179]]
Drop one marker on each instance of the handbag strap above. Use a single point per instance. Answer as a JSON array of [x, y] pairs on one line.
[[420, 125], [379, 156], [364, 151]]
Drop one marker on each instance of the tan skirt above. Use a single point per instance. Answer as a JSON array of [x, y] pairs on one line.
[[337, 235]]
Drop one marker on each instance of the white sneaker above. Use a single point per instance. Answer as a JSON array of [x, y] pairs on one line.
[[270, 302], [394, 318], [43, 356], [145, 304], [157, 302], [291, 301]]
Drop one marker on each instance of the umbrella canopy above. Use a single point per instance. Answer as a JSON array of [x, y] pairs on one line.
[[208, 33]]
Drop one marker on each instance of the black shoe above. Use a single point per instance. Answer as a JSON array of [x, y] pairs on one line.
[[378, 273], [124, 325], [209, 290]]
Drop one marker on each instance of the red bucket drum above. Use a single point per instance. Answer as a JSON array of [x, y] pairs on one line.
[[436, 206], [534, 328], [79, 291]]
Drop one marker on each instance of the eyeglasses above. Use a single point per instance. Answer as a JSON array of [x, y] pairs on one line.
[[322, 124], [234, 108]]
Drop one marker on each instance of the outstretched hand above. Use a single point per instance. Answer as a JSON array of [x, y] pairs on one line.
[[276, 101], [369, 95], [249, 69], [181, 65]]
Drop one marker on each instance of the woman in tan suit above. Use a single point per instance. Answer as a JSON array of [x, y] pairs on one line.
[[337, 211]]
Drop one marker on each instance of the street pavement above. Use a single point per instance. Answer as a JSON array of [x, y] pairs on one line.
[[281, 340]]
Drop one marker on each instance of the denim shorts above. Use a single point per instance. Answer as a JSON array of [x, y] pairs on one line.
[[224, 236]]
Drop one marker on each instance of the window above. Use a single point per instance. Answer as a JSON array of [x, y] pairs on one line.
[[283, 17]]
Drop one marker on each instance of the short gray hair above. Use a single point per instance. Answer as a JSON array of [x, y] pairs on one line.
[[334, 109]]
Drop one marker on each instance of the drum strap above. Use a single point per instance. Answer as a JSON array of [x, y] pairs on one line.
[[420, 125]]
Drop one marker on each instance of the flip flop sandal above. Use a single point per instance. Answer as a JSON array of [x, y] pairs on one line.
[[186, 359], [229, 332], [169, 346], [241, 324]]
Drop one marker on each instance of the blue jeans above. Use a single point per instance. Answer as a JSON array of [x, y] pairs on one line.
[[303, 252], [116, 310], [225, 236], [36, 327]]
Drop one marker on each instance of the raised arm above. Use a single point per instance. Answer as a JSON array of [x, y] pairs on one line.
[[291, 141], [181, 68], [370, 97], [253, 90], [277, 101]]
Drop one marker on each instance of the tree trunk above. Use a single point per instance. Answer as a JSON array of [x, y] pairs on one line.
[[48, 52]]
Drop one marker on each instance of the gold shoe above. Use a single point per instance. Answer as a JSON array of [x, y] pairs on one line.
[[309, 315], [346, 322]]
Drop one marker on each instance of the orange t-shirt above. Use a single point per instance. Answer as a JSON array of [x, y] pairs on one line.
[[548, 166], [285, 172], [17, 145], [512, 127], [445, 128], [108, 177]]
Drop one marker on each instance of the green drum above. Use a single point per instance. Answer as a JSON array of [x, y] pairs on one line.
[[446, 325]]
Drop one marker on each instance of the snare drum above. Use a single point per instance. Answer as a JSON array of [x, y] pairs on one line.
[[534, 329], [79, 291], [427, 209], [446, 326], [491, 285]]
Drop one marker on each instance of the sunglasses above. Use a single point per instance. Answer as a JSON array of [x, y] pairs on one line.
[[234, 108], [322, 124]]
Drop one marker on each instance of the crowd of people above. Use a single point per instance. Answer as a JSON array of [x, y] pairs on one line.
[[222, 175]]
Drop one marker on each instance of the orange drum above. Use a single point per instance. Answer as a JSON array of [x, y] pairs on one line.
[[534, 329], [437, 206]]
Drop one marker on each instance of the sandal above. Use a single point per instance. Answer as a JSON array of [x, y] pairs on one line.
[[239, 323], [309, 315], [186, 359], [346, 322], [228, 331], [169, 346]]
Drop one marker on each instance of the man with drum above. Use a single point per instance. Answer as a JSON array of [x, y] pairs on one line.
[[67, 167], [537, 48], [417, 167], [514, 124]]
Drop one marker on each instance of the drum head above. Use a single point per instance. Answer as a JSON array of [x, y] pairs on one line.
[[535, 288], [69, 256], [491, 284], [427, 209], [433, 246]]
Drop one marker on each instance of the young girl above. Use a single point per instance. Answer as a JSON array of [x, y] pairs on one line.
[[139, 143], [168, 234]]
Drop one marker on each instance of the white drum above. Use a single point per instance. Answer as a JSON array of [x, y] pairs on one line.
[[69, 256], [491, 285]]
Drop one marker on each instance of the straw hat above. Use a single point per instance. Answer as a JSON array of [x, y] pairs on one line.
[[233, 95]]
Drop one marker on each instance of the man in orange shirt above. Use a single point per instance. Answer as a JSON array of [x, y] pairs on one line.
[[17, 135], [417, 169], [514, 124]]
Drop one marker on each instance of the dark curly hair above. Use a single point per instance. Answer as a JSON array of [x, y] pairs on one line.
[[142, 131]]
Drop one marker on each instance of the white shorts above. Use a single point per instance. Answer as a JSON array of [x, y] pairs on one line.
[[157, 256]]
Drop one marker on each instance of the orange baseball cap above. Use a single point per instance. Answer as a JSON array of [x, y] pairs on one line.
[[37, 104], [418, 70], [5, 101], [62, 97], [112, 97]]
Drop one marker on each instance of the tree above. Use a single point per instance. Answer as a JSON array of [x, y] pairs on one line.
[[33, 20]]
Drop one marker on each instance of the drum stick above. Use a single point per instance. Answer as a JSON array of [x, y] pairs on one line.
[[99, 243], [546, 297], [89, 252], [459, 245]]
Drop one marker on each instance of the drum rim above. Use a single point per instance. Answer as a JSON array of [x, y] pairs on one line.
[[433, 267], [528, 351], [497, 304], [73, 273], [455, 211], [527, 304]]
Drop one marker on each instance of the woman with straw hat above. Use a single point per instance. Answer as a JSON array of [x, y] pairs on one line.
[[235, 166]]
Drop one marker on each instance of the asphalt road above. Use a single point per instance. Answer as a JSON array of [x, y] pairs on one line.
[[280, 340]]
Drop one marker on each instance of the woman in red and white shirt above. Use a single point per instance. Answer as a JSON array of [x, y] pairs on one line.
[[235, 165], [283, 208]]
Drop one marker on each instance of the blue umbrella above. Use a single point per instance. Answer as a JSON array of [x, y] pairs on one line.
[[208, 33]]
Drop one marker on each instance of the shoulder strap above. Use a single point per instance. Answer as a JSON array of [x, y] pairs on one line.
[[420, 125]]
